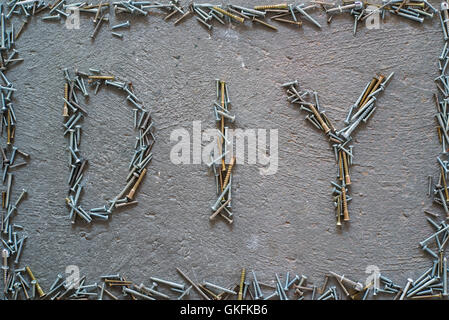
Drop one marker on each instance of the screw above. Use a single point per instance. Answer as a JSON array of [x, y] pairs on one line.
[[257, 291], [168, 283], [55, 17], [308, 17], [356, 5], [121, 25], [5, 255]]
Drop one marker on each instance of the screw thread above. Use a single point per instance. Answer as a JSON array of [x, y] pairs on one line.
[[272, 6], [242, 279]]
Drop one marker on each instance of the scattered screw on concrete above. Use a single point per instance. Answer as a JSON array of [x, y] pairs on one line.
[[222, 174], [360, 111], [142, 156], [22, 283], [207, 13]]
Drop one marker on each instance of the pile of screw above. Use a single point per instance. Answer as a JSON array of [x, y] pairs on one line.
[[222, 174], [16, 283], [206, 13], [358, 112], [14, 234], [73, 112]]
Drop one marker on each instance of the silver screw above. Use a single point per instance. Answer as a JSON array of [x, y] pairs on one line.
[[121, 25], [5, 255]]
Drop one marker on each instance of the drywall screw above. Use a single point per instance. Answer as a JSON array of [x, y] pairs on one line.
[[121, 25]]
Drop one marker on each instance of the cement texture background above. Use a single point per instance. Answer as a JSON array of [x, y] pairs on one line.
[[283, 222]]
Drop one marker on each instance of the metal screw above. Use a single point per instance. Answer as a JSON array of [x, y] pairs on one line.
[[121, 25]]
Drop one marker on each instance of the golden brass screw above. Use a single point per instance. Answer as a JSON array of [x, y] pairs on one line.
[[233, 16], [136, 185], [340, 166], [65, 112], [242, 280], [98, 11], [320, 120], [265, 24], [99, 77], [38, 287], [368, 91], [20, 30], [272, 6], [298, 23], [416, 4], [182, 17], [345, 165], [228, 174], [438, 295], [345, 204], [338, 211], [379, 81]]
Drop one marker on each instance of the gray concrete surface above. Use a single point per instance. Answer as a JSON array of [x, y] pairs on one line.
[[284, 222]]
